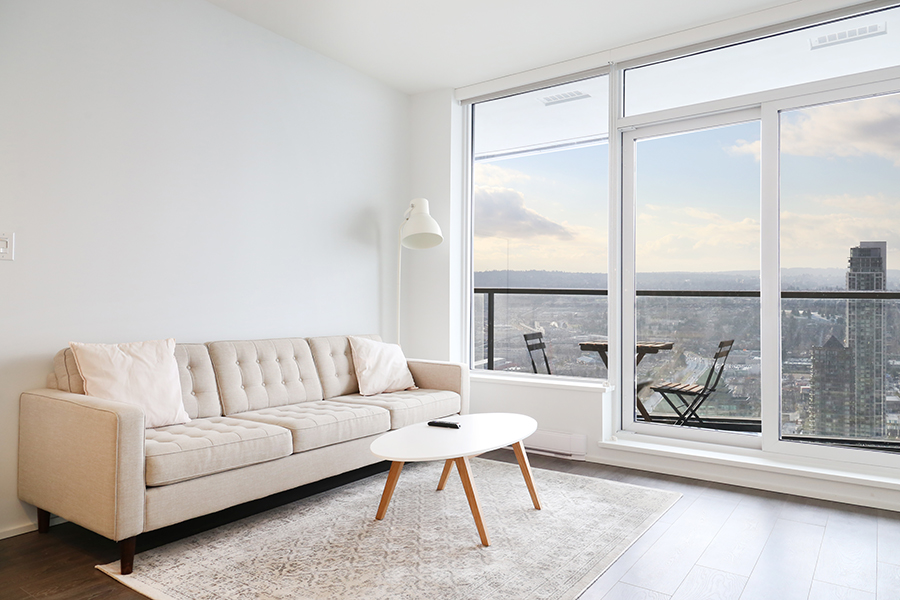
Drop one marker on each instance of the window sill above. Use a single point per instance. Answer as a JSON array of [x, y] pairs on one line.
[[536, 380], [867, 485]]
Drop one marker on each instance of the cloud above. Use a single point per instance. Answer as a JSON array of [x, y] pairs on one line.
[[689, 239], [820, 231], [858, 128], [587, 253], [871, 205], [745, 147], [486, 174], [501, 212]]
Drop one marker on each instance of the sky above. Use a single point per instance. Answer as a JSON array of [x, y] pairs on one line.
[[543, 212], [698, 195]]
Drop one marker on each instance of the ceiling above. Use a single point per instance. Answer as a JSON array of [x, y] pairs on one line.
[[423, 45]]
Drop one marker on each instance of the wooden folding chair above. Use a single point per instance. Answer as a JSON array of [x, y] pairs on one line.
[[534, 342], [689, 397]]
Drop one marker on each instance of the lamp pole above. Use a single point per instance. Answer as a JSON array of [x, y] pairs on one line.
[[418, 231]]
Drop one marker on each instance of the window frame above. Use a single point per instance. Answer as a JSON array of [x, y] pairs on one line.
[[770, 293], [767, 106], [628, 297], [468, 289], [868, 464]]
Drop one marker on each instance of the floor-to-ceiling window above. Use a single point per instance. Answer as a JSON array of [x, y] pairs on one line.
[[692, 168], [839, 188], [752, 226], [540, 219]]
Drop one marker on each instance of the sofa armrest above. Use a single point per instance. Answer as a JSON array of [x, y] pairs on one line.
[[439, 375], [82, 458]]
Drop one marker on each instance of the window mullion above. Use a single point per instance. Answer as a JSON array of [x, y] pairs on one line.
[[770, 284]]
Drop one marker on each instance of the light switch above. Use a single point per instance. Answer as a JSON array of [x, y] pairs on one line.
[[7, 245]]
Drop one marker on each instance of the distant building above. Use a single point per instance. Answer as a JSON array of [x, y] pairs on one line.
[[831, 386], [892, 417], [867, 271]]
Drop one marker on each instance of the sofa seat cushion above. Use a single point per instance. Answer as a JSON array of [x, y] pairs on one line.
[[409, 406], [212, 445], [323, 422]]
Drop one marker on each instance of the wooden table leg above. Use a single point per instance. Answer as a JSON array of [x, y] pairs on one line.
[[389, 486], [445, 474], [526, 473], [465, 473], [642, 410]]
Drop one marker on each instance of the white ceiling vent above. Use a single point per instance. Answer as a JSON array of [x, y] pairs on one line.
[[564, 97], [849, 35]]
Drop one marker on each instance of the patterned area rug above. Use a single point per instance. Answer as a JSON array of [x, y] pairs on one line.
[[330, 546]]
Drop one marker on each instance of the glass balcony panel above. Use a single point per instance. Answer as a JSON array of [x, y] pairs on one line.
[[563, 320], [696, 325]]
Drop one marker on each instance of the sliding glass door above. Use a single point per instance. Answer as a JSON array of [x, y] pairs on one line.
[[692, 221]]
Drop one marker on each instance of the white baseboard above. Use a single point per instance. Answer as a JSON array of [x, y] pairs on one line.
[[18, 530], [27, 528]]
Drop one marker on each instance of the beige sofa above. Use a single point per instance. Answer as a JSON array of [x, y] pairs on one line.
[[266, 416]]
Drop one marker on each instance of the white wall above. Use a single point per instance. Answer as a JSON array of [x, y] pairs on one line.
[[431, 321], [173, 171]]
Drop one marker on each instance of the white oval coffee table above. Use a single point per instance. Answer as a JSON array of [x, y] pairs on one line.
[[477, 434]]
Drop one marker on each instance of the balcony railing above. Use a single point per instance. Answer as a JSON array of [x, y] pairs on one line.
[[492, 292], [734, 420]]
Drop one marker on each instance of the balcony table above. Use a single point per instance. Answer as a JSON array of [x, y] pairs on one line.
[[642, 350]]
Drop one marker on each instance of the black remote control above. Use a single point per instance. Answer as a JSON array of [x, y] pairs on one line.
[[447, 424]]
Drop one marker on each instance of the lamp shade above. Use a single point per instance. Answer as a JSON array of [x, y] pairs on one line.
[[420, 230]]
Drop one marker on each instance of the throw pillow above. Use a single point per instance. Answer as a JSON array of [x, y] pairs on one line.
[[380, 367], [140, 373]]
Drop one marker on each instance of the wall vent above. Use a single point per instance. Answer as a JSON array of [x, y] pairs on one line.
[[553, 443], [564, 97], [849, 35]]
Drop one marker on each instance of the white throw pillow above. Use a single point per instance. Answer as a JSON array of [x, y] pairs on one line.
[[380, 367], [140, 373]]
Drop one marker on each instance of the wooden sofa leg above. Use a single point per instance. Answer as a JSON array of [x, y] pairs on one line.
[[43, 520], [126, 554]]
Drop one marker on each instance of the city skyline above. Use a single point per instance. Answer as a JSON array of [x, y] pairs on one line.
[[847, 383]]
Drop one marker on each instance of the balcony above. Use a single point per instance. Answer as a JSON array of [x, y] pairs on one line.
[[695, 321]]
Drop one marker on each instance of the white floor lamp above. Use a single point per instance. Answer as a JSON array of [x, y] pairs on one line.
[[418, 231]]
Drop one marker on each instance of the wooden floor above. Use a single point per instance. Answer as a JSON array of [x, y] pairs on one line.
[[718, 542]]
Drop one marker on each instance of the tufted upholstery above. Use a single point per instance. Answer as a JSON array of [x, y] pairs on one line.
[[259, 374], [318, 424], [68, 379], [334, 363], [410, 406], [206, 446], [198, 381], [267, 415]]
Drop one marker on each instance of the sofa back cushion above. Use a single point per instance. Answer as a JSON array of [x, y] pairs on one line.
[[259, 374], [65, 373], [198, 381], [334, 362]]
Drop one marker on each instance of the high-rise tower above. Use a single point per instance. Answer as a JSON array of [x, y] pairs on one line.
[[867, 271], [831, 411]]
